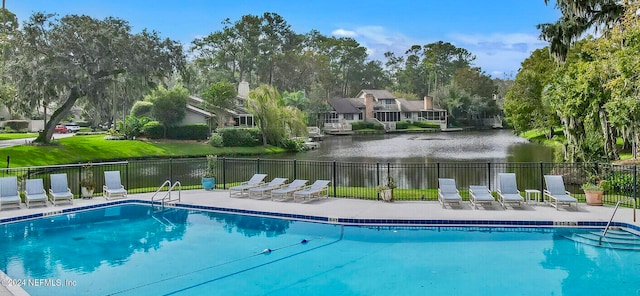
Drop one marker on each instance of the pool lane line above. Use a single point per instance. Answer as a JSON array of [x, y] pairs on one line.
[[260, 265], [303, 242]]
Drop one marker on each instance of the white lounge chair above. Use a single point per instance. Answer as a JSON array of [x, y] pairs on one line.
[[9, 195], [319, 188], [265, 190], [508, 192], [113, 188], [34, 193], [59, 190], [480, 195], [557, 193], [242, 189], [448, 192], [287, 191]]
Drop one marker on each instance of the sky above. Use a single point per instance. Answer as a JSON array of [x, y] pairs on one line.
[[499, 33]]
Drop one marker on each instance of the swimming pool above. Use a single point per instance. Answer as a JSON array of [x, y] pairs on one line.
[[132, 249]]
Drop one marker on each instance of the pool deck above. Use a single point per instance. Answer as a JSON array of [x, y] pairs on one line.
[[367, 209], [358, 209]]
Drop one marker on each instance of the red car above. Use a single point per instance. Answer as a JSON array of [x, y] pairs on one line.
[[61, 129]]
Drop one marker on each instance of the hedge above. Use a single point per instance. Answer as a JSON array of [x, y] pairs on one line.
[[240, 137], [17, 125], [188, 132], [153, 130], [359, 125]]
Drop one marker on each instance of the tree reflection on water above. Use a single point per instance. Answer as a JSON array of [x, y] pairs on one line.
[[250, 225], [72, 241]]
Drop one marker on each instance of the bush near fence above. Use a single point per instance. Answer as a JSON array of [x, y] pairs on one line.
[[240, 137], [360, 125], [414, 181]]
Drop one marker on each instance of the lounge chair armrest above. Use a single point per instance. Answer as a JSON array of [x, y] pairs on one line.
[[567, 193]]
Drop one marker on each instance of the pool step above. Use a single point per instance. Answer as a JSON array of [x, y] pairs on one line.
[[615, 239]]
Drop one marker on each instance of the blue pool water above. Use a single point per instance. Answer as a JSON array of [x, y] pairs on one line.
[[134, 250]]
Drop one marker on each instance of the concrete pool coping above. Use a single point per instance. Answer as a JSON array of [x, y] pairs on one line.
[[344, 209], [354, 211]]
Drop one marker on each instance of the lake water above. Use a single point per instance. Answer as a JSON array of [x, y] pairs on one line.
[[465, 146]]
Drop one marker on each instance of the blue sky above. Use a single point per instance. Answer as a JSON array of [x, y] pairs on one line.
[[500, 33]]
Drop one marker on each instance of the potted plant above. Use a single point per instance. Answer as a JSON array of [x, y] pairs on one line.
[[87, 185], [209, 175], [594, 190], [386, 190]]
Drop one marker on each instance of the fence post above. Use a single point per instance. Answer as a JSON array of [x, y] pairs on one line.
[[295, 172], [258, 165], [224, 173], [378, 177], [335, 177], [489, 175], [542, 181], [80, 179], [438, 170], [635, 185], [126, 169], [171, 169]]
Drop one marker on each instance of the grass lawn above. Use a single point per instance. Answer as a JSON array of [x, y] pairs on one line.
[[95, 148], [13, 136]]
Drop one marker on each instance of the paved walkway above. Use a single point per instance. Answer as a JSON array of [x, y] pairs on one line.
[[365, 209]]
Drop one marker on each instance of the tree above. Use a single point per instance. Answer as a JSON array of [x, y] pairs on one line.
[[169, 106], [578, 17], [62, 60], [219, 98], [273, 118], [624, 107], [523, 105], [577, 94], [296, 99]]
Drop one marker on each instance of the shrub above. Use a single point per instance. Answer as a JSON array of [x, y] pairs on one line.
[[621, 183], [240, 137], [18, 125], [132, 126], [216, 140], [403, 124], [292, 145], [189, 132], [359, 125], [426, 124], [153, 130], [142, 108]]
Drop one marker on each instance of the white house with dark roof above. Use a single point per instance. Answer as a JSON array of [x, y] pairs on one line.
[[380, 106], [238, 116]]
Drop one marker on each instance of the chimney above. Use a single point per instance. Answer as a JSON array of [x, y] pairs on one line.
[[428, 103], [368, 106], [243, 89]]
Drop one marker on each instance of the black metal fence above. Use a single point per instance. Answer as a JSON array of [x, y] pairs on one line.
[[414, 181]]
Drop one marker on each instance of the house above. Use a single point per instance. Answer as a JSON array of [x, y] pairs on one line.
[[238, 116], [380, 106]]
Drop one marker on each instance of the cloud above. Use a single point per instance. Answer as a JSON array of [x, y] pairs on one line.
[[498, 41], [344, 33], [497, 54], [378, 40]]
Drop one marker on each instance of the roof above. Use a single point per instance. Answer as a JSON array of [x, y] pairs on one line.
[[410, 106], [343, 105], [377, 93], [199, 111], [414, 106]]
